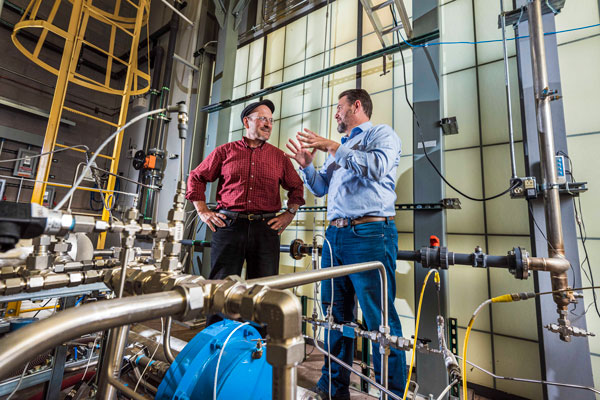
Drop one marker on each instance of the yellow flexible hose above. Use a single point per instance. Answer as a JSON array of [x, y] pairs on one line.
[[505, 298], [414, 350]]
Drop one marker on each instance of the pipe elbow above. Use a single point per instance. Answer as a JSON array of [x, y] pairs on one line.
[[556, 265]]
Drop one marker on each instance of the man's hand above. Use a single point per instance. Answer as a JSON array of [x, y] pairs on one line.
[[210, 218], [302, 156], [280, 222], [310, 139]]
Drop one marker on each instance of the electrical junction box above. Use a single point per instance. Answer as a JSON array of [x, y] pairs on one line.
[[561, 174], [527, 188], [25, 167]]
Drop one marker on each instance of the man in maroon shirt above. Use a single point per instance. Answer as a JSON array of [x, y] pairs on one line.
[[250, 171]]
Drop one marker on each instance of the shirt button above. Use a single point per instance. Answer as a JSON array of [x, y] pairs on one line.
[[251, 176], [252, 163], [249, 201], [250, 188]]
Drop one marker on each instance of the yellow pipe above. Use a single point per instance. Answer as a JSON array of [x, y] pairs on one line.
[[39, 309], [414, 350]]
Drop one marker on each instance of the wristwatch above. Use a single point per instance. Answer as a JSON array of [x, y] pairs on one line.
[[292, 210]]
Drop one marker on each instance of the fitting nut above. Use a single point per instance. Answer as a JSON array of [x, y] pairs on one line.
[[194, 295]]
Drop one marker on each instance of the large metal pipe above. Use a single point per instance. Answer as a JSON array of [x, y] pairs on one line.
[[543, 96], [303, 278], [46, 334]]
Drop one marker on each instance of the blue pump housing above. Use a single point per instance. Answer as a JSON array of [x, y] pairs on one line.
[[242, 374]]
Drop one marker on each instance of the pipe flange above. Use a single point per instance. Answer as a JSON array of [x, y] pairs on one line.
[[295, 249]]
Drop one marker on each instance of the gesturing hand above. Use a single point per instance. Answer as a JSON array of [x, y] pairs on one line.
[[302, 156], [310, 139]]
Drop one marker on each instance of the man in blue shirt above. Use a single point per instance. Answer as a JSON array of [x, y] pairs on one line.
[[359, 178]]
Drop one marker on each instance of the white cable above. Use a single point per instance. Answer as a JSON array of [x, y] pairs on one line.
[[46, 153], [441, 396], [162, 329], [18, 384], [329, 312], [221, 354], [99, 149], [90, 359], [508, 378]]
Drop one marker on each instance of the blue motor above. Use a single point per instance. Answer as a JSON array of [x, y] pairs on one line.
[[243, 370]]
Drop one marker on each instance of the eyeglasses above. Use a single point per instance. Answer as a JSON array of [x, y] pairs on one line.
[[263, 119]]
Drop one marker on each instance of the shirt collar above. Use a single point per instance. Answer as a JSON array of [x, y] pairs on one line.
[[244, 142], [358, 129]]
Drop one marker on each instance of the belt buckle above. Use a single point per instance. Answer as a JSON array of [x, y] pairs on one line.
[[338, 223], [251, 217]]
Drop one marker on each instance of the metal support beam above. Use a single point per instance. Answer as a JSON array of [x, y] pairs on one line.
[[431, 374], [560, 361], [217, 132]]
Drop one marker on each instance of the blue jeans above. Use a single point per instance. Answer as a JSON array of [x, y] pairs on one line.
[[373, 241]]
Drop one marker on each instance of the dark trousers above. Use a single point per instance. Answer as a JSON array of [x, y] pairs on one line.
[[243, 240]]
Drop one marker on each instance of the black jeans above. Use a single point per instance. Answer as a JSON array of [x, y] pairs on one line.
[[243, 240]]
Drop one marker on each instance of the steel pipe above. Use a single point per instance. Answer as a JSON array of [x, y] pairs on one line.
[[285, 382], [49, 333], [303, 278], [543, 97], [167, 341]]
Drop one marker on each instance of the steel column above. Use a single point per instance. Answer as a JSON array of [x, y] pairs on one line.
[[428, 186], [560, 361], [217, 132]]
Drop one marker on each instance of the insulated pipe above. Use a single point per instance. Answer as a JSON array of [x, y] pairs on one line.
[[49, 333], [554, 232]]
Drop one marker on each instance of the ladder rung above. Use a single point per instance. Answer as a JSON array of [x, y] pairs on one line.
[[382, 5], [392, 29], [90, 116], [83, 151]]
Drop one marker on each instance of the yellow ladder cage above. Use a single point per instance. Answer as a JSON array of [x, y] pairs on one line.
[[89, 25]]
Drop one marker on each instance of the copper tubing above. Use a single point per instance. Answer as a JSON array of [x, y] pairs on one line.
[[558, 267]]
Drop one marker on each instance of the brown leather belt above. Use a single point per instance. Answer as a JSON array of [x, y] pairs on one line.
[[343, 222]]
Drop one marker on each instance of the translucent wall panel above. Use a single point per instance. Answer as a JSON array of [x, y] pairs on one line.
[[398, 70], [315, 32], [251, 87], [403, 120], [583, 151], [486, 28], [579, 66], [581, 13], [463, 170], [467, 286], [295, 36], [270, 80], [456, 25], [241, 66], [504, 215], [460, 101], [235, 121], [492, 98], [294, 96], [383, 108], [275, 51], [480, 353], [510, 354], [591, 317], [255, 58], [372, 79], [313, 90], [344, 20], [289, 127], [503, 282]]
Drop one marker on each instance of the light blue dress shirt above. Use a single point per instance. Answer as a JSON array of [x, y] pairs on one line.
[[361, 178]]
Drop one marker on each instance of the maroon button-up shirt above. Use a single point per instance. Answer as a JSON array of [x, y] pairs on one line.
[[249, 178]]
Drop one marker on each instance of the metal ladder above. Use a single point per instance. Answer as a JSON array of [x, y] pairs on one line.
[[373, 14]]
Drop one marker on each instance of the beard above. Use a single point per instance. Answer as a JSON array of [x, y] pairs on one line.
[[341, 128]]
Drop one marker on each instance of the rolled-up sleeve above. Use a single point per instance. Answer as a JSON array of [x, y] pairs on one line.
[[208, 171]]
